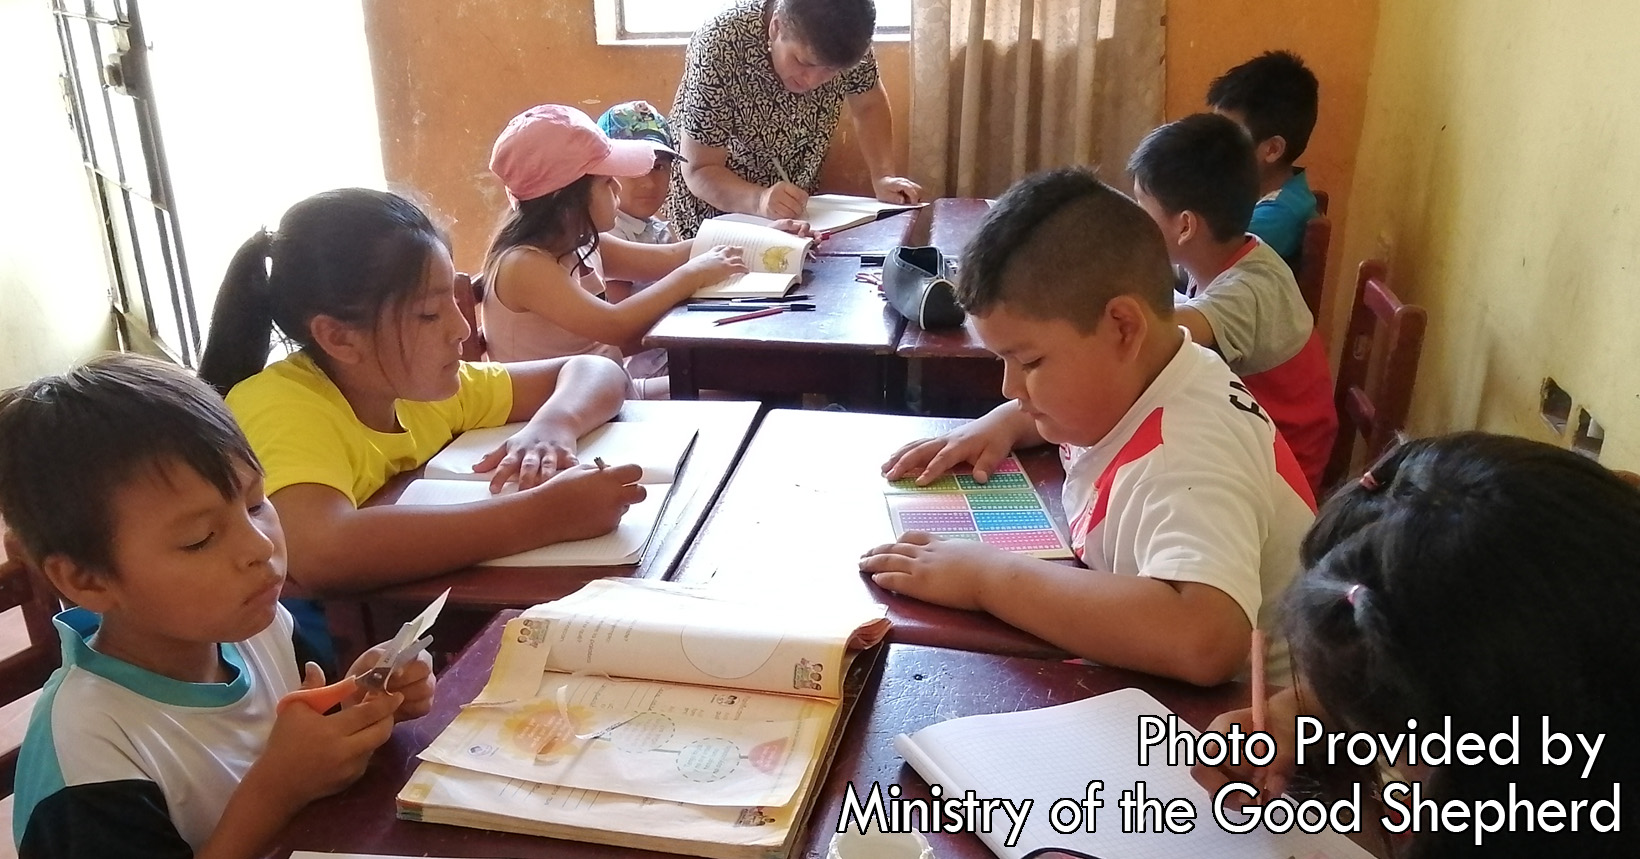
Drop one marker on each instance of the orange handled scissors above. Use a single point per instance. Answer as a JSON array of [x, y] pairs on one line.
[[404, 647]]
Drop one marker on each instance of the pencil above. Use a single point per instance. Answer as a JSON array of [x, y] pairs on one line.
[[599, 461], [767, 311], [780, 169], [1257, 659]]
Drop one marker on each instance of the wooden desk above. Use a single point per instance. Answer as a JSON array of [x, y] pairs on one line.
[[477, 593], [958, 375], [916, 687], [839, 349], [806, 501]]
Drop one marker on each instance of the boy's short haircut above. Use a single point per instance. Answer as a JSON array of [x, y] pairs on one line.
[[1061, 244], [69, 442], [1204, 164], [838, 31], [1275, 94]]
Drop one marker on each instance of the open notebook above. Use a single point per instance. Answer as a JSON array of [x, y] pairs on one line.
[[1053, 752], [774, 259], [653, 715], [659, 448]]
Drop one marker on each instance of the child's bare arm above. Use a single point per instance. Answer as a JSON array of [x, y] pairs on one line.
[[639, 261], [334, 548], [1192, 320], [982, 442], [1190, 631], [536, 284], [308, 756]]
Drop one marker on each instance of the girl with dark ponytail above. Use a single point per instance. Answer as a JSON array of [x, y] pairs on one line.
[[1479, 577], [360, 283]]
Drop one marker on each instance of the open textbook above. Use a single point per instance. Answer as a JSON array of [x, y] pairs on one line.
[[1053, 753], [652, 715], [774, 260], [659, 448]]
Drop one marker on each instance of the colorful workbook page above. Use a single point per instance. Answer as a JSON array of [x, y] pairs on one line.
[[1052, 753], [658, 447], [774, 259], [624, 545], [560, 744], [1004, 511]]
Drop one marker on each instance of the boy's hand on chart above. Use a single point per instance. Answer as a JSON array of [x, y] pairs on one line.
[[928, 459], [946, 572], [800, 229], [1271, 780], [783, 200], [531, 456], [413, 681], [715, 265], [310, 755], [600, 496], [897, 189]]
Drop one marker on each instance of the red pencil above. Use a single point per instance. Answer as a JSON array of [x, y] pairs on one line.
[[767, 311]]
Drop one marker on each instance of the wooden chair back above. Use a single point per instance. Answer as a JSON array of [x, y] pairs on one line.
[[1321, 201], [1372, 401], [469, 294], [29, 652], [1311, 273]]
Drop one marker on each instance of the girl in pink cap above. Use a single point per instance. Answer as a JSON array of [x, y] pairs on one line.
[[544, 287]]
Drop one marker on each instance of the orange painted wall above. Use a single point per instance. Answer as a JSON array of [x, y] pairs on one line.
[[450, 73], [1335, 38]]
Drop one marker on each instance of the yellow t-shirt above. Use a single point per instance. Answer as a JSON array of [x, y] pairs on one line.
[[304, 431]]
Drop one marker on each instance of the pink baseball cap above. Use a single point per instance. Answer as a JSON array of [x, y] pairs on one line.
[[549, 146]]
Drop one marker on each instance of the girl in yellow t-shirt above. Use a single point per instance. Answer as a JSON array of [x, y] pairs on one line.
[[361, 281]]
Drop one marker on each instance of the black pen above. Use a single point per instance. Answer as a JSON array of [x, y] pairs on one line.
[[795, 305]]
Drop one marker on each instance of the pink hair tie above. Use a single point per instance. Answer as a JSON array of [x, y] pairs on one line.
[[1352, 593], [1369, 483]]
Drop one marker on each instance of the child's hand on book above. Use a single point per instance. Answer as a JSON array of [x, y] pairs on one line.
[[715, 266], [800, 229], [413, 681], [531, 456], [951, 573], [310, 755], [601, 496], [983, 445]]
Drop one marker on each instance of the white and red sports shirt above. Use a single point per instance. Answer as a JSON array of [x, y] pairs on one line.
[[1194, 484]]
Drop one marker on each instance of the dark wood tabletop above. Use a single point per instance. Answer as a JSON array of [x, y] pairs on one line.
[[838, 348], [807, 500], [723, 430], [915, 687]]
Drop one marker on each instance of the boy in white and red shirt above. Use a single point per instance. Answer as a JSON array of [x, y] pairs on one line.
[[1197, 179], [1184, 501]]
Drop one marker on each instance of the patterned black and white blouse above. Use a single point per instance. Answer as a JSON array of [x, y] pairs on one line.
[[730, 98]]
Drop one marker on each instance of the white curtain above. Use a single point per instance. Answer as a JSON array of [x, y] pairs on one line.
[[1000, 88]]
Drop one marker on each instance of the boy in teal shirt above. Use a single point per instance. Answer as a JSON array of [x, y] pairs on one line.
[[1274, 97]]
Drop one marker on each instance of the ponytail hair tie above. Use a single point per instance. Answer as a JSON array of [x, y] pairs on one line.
[[1369, 482], [1353, 593]]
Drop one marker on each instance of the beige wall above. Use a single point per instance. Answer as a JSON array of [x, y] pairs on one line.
[[1498, 169], [53, 278]]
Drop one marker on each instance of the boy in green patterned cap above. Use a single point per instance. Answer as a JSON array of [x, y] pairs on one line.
[[641, 197]]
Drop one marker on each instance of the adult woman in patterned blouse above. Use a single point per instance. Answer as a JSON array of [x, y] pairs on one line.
[[762, 89]]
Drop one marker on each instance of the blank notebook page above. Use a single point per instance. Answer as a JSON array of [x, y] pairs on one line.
[[1054, 752]]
